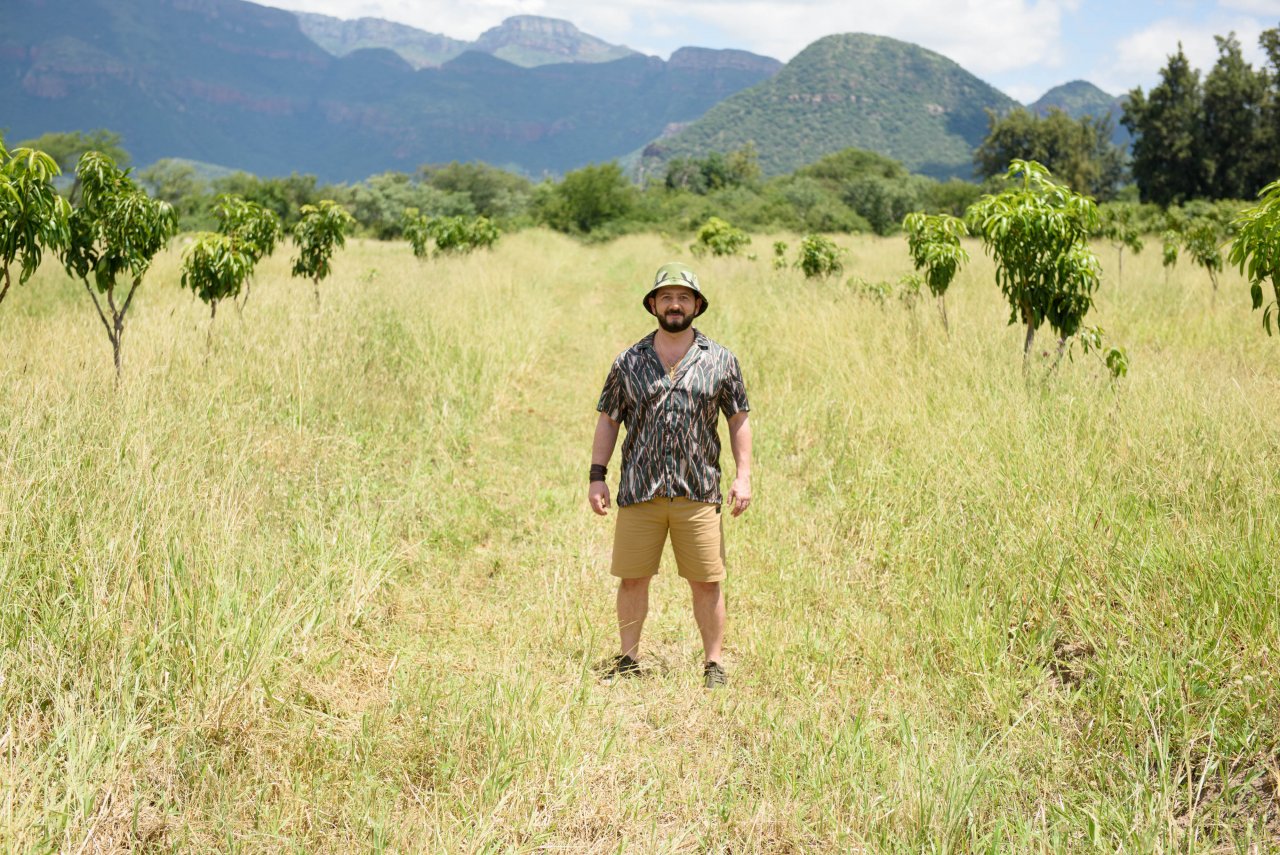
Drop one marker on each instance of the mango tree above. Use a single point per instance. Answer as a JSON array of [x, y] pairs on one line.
[[115, 232], [33, 217], [451, 235], [1169, 241], [1037, 233], [215, 267], [1256, 251], [1120, 227], [1203, 238], [321, 230], [253, 230], [934, 243]]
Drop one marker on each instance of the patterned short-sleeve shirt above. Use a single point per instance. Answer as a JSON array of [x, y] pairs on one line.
[[672, 448]]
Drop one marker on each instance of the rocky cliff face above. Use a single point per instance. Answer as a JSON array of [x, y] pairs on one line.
[[242, 85], [419, 48], [530, 40]]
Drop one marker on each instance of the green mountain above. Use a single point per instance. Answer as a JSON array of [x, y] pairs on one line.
[[871, 92], [239, 84], [1081, 98]]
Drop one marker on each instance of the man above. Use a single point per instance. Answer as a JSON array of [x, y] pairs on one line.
[[668, 389]]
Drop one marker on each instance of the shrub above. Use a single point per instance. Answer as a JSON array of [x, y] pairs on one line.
[[719, 238], [819, 256]]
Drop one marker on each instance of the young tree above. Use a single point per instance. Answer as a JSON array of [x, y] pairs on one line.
[[33, 217], [1203, 238], [1256, 250], [451, 235], [219, 266], [254, 230], [215, 268], [1119, 225], [321, 230], [934, 243], [1170, 240], [115, 232], [66, 149], [1037, 234]]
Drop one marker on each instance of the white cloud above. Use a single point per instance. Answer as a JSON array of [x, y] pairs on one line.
[[985, 37], [1140, 56], [1253, 7]]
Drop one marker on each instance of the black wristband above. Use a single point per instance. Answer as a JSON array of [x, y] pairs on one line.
[[598, 471]]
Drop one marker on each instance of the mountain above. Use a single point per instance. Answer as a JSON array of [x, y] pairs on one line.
[[859, 90], [529, 40], [236, 83], [524, 40], [418, 48], [1081, 98]]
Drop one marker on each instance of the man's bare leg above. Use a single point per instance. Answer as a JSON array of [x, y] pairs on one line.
[[633, 608], [708, 611]]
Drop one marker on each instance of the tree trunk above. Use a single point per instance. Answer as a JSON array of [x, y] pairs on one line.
[[942, 308], [116, 356], [5, 289], [316, 282], [1120, 267], [1026, 345]]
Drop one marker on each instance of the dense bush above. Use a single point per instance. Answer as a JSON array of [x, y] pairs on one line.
[[719, 238]]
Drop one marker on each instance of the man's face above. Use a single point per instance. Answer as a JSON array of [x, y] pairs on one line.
[[675, 307]]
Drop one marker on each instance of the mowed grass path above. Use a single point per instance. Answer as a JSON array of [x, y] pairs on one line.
[[326, 581]]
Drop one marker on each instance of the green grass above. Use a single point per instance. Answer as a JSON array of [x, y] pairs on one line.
[[329, 582]]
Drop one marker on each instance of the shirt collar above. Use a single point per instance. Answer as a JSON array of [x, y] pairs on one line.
[[700, 340]]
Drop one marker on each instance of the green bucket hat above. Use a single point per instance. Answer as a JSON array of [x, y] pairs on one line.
[[675, 273]]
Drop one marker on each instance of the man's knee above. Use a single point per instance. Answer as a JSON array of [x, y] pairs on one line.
[[634, 584], [705, 589]]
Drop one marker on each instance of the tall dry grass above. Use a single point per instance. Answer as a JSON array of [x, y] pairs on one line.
[[328, 582]]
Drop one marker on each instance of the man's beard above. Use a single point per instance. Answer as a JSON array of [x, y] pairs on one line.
[[675, 326]]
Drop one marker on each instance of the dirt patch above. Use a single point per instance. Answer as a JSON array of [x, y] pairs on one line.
[[1069, 663]]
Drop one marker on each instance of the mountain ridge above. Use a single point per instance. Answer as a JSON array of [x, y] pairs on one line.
[[235, 83], [248, 86], [524, 40], [852, 89]]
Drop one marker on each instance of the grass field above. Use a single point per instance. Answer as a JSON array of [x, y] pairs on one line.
[[327, 581]]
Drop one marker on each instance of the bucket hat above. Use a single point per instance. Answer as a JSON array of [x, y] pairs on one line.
[[675, 273]]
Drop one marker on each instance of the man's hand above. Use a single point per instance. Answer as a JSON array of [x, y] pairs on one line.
[[598, 497], [739, 495]]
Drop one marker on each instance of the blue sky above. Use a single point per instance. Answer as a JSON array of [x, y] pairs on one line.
[[1024, 48]]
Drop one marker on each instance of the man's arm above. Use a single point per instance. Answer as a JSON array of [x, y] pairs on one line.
[[601, 451], [740, 443]]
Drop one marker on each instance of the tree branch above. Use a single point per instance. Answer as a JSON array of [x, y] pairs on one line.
[[129, 299], [97, 305]]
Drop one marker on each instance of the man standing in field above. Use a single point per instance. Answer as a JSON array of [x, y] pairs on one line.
[[668, 389]]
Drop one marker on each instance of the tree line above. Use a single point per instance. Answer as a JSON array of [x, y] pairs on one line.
[[1212, 136]]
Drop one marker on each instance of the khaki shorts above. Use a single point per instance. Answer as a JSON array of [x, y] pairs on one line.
[[697, 539]]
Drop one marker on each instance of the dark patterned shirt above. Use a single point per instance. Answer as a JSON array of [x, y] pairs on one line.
[[672, 448]]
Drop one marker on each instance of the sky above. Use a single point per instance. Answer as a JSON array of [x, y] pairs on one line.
[[1023, 47]]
